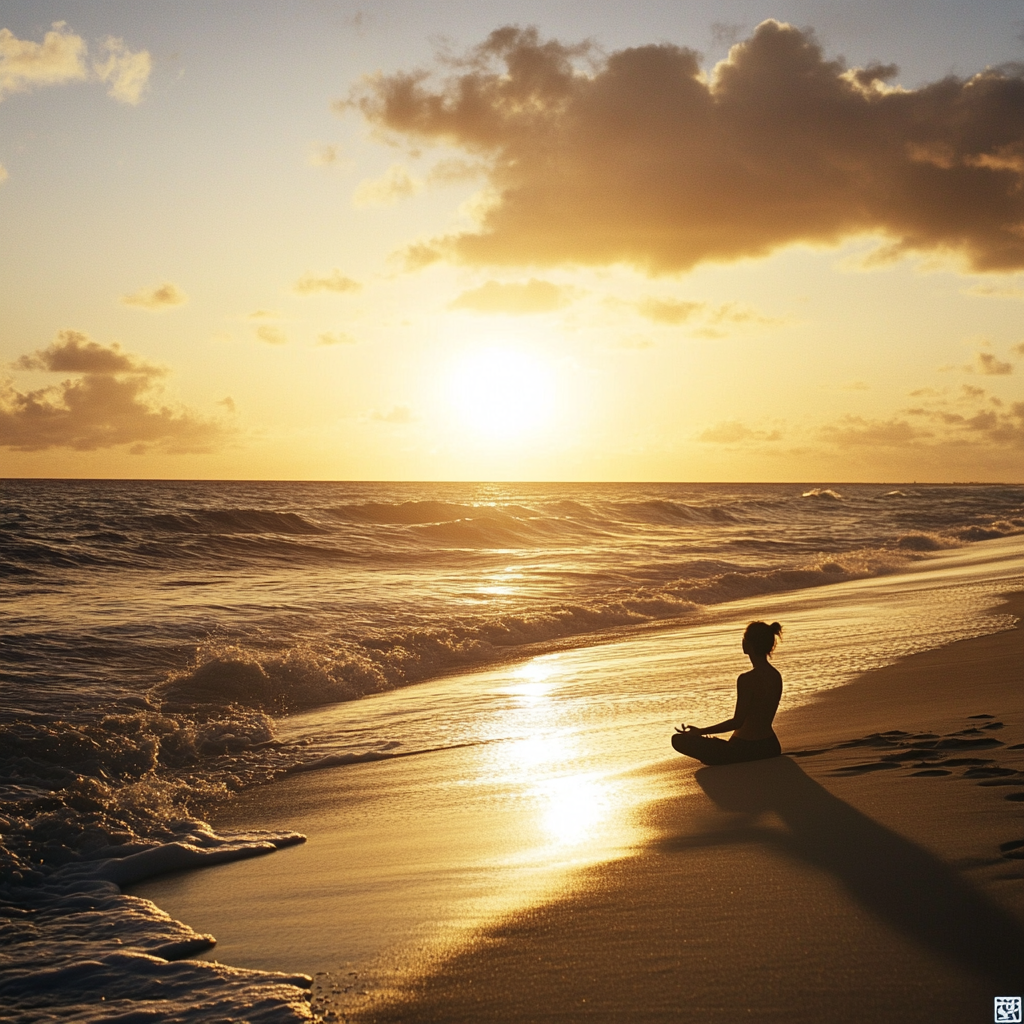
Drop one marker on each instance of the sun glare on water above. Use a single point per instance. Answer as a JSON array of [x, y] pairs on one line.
[[502, 393]]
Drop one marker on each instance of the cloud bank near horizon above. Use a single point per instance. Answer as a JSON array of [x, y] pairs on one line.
[[638, 157], [114, 401]]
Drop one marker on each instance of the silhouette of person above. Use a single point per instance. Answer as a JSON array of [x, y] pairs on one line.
[[757, 699]]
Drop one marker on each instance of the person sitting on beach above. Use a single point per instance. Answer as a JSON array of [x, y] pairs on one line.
[[757, 699]]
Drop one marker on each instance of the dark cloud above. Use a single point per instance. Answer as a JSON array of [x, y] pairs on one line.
[[533, 296], [74, 352], [989, 365], [637, 157], [114, 402]]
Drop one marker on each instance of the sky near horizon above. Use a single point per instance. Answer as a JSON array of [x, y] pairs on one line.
[[497, 241]]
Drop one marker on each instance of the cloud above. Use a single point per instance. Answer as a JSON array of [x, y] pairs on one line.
[[263, 314], [532, 297], [398, 414], [327, 154], [335, 338], [271, 335], [988, 364], [61, 58], [163, 296], [395, 184], [734, 432], [638, 157], [668, 311], [125, 72], [1018, 350], [997, 291], [855, 431], [75, 352], [999, 426], [708, 321], [24, 65], [335, 281], [114, 401], [972, 419]]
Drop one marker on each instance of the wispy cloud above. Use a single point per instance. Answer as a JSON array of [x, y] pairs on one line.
[[705, 319], [114, 400], [669, 311], [394, 185], [333, 281], [997, 291], [532, 296], [856, 431], [638, 156], [335, 338], [162, 296], [271, 335], [735, 432], [62, 57]]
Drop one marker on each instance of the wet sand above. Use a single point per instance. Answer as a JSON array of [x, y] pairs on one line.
[[873, 874]]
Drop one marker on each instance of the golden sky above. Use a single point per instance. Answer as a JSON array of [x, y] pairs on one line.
[[512, 242]]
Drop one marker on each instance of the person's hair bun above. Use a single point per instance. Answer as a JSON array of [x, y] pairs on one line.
[[776, 628]]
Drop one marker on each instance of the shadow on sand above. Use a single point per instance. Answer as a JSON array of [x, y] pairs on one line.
[[896, 880]]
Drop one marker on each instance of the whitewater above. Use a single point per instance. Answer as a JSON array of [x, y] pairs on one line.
[[170, 645]]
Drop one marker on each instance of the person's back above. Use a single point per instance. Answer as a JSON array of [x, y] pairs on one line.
[[758, 694]]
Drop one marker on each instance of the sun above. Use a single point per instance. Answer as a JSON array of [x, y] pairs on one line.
[[502, 393]]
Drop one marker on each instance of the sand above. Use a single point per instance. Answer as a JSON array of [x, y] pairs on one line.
[[873, 874]]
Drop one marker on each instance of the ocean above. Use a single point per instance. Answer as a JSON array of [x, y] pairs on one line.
[[169, 645]]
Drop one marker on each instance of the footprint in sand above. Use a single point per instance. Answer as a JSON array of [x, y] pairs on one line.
[[926, 754]]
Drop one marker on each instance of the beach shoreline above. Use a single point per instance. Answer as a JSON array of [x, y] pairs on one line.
[[838, 883]]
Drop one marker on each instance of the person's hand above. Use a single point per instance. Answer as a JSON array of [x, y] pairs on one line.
[[687, 728]]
